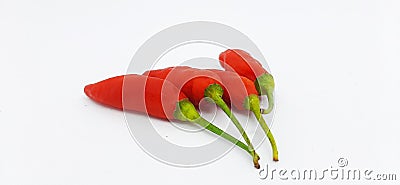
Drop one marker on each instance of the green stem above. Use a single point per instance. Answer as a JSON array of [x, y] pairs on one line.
[[270, 97], [215, 92], [265, 85], [253, 104], [186, 111], [214, 129]]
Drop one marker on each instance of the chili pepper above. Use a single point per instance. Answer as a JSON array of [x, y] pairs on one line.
[[244, 64], [245, 98], [198, 84], [156, 97]]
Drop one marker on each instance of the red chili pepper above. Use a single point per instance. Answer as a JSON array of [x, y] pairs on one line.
[[198, 84], [191, 81], [236, 88], [110, 92], [244, 64], [242, 92], [156, 97]]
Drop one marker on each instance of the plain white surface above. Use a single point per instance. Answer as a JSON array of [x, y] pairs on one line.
[[335, 63]]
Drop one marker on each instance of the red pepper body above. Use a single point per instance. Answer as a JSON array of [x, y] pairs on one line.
[[236, 88], [163, 73], [192, 82], [140, 93], [241, 62]]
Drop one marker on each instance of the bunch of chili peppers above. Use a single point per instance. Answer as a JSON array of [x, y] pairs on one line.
[[175, 93]]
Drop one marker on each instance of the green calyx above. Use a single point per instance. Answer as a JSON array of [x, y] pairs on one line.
[[185, 111], [252, 103], [265, 85], [214, 91]]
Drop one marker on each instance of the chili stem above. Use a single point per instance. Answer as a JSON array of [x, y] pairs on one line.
[[214, 129], [215, 92], [267, 131], [270, 98], [185, 111], [253, 104]]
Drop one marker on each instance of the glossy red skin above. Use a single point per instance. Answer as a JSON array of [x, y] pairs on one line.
[[236, 88], [241, 62], [192, 82], [161, 73], [154, 96]]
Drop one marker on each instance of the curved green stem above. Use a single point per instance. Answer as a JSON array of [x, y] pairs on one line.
[[215, 92], [252, 103], [186, 111], [214, 129], [270, 97], [265, 85]]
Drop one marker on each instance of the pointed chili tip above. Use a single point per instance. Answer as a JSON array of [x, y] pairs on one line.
[[88, 90]]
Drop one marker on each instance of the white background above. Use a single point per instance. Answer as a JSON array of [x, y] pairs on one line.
[[335, 63]]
